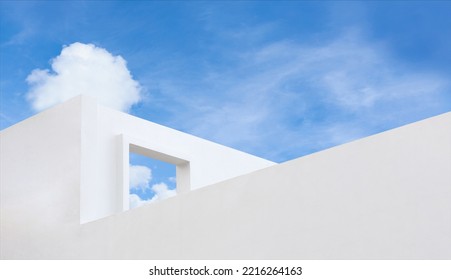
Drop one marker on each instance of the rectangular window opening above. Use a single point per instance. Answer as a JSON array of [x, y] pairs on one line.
[[150, 180], [149, 175]]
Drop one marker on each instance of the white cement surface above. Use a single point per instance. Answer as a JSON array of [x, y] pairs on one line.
[[382, 197]]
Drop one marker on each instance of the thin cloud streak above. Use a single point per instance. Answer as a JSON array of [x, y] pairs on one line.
[[284, 99]]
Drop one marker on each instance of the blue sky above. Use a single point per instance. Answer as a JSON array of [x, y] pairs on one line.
[[275, 79]]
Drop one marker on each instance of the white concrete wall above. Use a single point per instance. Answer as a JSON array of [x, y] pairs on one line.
[[382, 197], [108, 134], [100, 138], [40, 184]]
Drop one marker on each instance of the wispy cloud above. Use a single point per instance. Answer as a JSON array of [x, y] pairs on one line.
[[21, 37], [284, 99], [84, 69]]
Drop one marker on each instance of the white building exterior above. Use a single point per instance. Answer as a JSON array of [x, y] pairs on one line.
[[64, 194]]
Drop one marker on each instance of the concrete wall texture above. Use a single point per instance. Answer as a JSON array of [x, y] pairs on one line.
[[63, 176]]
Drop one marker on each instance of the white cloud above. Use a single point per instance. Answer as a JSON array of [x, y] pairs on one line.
[[140, 177], [136, 201], [285, 99], [84, 69], [162, 191]]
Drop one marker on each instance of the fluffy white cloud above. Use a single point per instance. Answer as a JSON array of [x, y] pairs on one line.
[[84, 69], [162, 191], [136, 201], [140, 177]]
